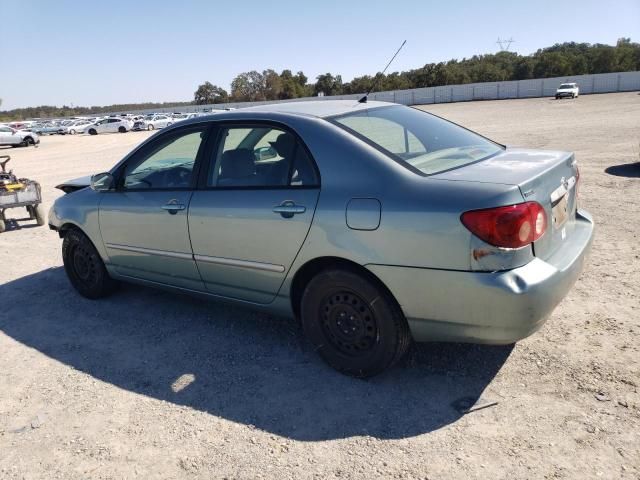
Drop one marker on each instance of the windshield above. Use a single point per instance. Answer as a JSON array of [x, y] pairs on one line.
[[422, 142], [566, 85]]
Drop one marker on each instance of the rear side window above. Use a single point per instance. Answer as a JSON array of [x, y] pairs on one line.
[[261, 157], [422, 142]]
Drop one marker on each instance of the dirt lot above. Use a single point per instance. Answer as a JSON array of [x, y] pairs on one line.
[[152, 385]]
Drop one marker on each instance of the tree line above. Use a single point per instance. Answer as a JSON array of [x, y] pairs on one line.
[[559, 60]]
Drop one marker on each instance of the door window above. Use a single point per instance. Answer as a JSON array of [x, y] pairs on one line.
[[261, 157], [166, 163]]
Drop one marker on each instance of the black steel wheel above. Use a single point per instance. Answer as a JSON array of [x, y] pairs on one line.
[[84, 267], [353, 322], [348, 323]]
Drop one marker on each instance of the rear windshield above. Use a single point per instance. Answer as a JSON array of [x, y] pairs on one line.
[[422, 142]]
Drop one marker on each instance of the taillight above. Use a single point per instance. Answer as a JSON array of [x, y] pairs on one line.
[[512, 226]]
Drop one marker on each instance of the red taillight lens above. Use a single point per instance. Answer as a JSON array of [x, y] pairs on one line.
[[513, 226]]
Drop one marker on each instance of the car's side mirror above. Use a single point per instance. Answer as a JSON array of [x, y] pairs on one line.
[[265, 153], [102, 182]]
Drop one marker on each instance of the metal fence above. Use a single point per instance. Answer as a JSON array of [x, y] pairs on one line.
[[541, 87]]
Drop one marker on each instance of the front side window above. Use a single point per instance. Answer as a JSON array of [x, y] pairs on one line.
[[421, 141], [261, 156], [166, 163]]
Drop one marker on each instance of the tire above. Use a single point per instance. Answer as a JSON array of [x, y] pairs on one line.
[[122, 130], [354, 324], [39, 214], [3, 226], [92, 131], [84, 267], [150, 127], [72, 132], [27, 141]]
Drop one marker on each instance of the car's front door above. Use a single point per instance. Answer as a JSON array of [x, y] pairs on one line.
[[144, 221], [253, 210]]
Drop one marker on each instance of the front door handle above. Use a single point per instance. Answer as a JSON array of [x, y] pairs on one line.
[[288, 209], [173, 207]]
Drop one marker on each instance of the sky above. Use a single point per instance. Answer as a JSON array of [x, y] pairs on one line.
[[130, 51]]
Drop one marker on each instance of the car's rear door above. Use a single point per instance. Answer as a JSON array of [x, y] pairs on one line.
[[252, 210], [144, 221]]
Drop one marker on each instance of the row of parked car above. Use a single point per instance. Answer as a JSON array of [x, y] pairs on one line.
[[17, 132]]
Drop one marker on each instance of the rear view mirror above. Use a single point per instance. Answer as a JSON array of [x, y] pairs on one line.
[[102, 182]]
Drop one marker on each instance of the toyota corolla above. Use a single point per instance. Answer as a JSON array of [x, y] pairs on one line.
[[375, 224]]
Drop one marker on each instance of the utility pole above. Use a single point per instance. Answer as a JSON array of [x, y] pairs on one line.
[[505, 44]]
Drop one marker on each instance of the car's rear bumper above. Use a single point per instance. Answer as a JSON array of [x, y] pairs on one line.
[[493, 307]]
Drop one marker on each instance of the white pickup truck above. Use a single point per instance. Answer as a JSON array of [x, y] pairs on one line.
[[570, 90]]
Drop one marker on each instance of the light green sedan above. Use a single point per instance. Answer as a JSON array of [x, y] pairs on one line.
[[374, 224]]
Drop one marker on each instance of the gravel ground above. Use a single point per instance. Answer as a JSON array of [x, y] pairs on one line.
[[153, 385]]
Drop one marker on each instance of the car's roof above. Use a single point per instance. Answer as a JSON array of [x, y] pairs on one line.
[[317, 108]]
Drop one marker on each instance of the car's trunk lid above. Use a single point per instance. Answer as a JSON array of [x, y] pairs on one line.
[[547, 177]]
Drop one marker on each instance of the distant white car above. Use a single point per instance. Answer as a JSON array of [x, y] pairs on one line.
[[17, 138], [152, 122], [109, 125], [77, 126], [570, 90], [178, 117]]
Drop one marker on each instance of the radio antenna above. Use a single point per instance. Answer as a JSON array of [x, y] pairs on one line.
[[375, 80]]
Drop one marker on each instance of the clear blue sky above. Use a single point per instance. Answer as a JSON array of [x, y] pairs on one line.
[[120, 51]]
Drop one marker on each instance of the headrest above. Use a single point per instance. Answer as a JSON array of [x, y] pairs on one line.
[[237, 163], [284, 144]]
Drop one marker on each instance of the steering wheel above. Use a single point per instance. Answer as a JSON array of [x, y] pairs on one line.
[[177, 177]]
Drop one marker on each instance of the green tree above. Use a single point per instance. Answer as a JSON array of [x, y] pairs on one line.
[[328, 84], [208, 93], [248, 87]]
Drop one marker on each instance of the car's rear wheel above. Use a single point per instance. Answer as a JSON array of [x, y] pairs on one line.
[[84, 267], [72, 132], [149, 127], [122, 130], [354, 323], [92, 131]]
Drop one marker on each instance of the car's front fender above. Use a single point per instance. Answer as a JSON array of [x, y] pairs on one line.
[[80, 210]]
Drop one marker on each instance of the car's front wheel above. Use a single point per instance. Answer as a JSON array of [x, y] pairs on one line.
[[93, 131], [354, 324], [84, 267], [27, 141], [122, 130]]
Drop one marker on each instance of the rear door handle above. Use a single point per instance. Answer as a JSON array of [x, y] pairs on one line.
[[288, 209]]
